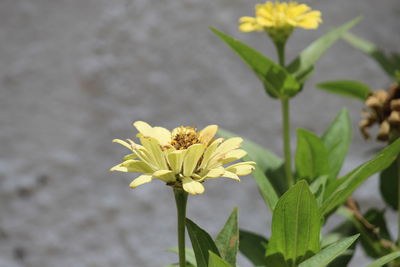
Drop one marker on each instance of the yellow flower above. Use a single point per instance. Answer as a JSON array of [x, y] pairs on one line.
[[280, 18], [183, 158]]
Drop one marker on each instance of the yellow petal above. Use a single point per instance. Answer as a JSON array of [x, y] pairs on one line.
[[242, 168], [153, 147], [233, 155], [142, 179], [130, 156], [144, 155], [208, 133], [123, 143], [214, 173], [193, 154], [175, 160], [209, 152], [136, 166], [165, 175], [119, 168], [228, 145], [162, 135], [231, 175], [191, 186], [143, 127]]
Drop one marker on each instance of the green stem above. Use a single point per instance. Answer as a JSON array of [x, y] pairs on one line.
[[280, 48], [181, 200], [286, 141]]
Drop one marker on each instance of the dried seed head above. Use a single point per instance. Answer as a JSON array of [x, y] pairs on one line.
[[383, 108]]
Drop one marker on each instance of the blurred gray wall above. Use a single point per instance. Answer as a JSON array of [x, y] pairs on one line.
[[74, 74]]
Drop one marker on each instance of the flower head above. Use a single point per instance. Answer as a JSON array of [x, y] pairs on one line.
[[384, 110], [182, 158], [279, 19]]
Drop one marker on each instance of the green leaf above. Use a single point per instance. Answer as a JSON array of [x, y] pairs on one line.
[[216, 261], [309, 56], [349, 88], [275, 78], [190, 258], [227, 240], [337, 140], [253, 247], [339, 190], [268, 174], [385, 259], [341, 231], [329, 253], [311, 156], [296, 225], [388, 184], [201, 243], [318, 188], [388, 63]]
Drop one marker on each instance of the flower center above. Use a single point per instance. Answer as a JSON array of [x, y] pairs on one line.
[[184, 137]]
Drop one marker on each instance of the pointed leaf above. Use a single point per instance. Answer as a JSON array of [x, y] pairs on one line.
[[296, 225], [329, 253], [318, 188], [309, 56], [227, 240], [349, 88], [337, 140], [253, 247], [311, 156], [268, 173], [339, 190], [388, 184], [275, 78], [201, 243], [388, 63], [216, 261], [341, 231], [385, 259]]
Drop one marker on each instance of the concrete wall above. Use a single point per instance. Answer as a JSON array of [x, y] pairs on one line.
[[74, 74]]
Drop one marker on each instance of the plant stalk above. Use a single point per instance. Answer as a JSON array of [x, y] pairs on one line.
[[286, 141], [181, 200], [280, 48]]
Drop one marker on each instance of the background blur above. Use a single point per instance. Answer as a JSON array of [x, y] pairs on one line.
[[74, 74]]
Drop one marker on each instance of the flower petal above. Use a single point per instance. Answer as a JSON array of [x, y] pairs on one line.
[[193, 154], [233, 155], [162, 135], [228, 145], [142, 179], [209, 152], [242, 168], [207, 134], [231, 175], [165, 175], [191, 186], [123, 143], [136, 166], [153, 147], [175, 160]]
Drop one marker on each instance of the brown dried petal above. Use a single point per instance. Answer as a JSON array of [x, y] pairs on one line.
[[395, 104], [394, 118], [383, 134]]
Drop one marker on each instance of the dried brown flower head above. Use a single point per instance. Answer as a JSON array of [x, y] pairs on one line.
[[383, 108]]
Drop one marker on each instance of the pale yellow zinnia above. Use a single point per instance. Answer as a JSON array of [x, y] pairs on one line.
[[182, 158], [273, 16]]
